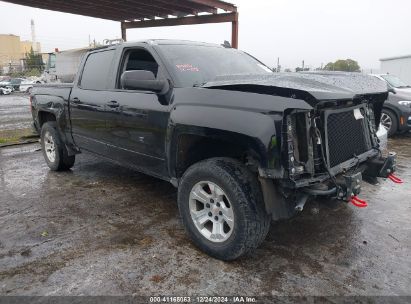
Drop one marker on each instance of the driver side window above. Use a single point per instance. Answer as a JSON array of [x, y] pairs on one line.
[[139, 60]]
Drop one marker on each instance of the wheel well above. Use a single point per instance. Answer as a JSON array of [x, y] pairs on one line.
[[392, 110], [195, 148], [45, 117]]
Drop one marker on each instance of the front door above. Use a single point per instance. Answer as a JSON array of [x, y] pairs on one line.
[[137, 123]]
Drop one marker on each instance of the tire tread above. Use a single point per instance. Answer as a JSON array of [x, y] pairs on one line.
[[256, 222]]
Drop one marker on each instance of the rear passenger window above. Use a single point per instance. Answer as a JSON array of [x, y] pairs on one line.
[[97, 70]]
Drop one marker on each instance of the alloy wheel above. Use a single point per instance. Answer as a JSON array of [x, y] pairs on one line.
[[386, 121], [211, 211], [49, 147]]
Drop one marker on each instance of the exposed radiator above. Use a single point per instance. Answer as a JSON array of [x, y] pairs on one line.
[[346, 135]]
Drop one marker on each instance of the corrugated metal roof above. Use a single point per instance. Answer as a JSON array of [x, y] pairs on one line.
[[131, 10]]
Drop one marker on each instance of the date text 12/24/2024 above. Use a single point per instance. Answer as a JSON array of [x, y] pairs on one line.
[[234, 299]]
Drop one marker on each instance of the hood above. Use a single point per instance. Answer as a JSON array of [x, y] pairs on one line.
[[404, 93], [320, 85]]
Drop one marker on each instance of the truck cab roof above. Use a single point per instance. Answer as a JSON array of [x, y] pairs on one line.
[[159, 42]]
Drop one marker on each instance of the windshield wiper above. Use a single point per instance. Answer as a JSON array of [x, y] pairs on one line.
[[198, 85]]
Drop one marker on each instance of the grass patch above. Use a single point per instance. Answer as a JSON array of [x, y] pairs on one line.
[[16, 136]]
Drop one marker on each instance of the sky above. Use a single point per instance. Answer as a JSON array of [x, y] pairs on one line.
[[316, 31]]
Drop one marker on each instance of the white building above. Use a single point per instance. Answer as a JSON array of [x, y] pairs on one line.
[[399, 66]]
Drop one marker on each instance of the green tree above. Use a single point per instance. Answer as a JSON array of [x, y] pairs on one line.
[[347, 65], [34, 61], [329, 66]]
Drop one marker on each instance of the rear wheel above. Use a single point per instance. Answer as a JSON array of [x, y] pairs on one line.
[[54, 151], [222, 209], [389, 121]]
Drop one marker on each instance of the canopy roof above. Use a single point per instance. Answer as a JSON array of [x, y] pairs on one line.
[[131, 10], [143, 13]]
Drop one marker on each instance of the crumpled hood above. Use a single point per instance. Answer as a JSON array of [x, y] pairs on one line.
[[321, 85]]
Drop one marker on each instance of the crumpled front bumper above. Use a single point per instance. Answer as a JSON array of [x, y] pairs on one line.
[[348, 185]]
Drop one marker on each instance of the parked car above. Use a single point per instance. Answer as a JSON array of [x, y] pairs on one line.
[[20, 84], [15, 83], [5, 91], [6, 84], [27, 85], [396, 117], [243, 149]]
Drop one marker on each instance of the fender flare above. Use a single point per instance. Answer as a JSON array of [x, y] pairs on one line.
[[252, 130]]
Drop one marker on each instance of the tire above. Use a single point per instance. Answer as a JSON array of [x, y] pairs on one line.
[[54, 151], [389, 121], [240, 198]]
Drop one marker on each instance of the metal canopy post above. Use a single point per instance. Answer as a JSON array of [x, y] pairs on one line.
[[234, 32], [123, 32]]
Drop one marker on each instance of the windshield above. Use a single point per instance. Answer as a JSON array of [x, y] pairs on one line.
[[394, 81], [195, 65]]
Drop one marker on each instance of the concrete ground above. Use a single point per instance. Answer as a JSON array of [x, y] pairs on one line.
[[101, 229], [15, 112], [15, 119]]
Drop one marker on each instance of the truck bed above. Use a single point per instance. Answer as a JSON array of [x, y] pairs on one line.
[[61, 90]]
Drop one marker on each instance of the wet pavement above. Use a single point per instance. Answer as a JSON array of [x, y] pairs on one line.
[[101, 229], [15, 112]]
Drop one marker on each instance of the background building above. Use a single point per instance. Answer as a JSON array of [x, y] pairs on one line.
[[399, 66], [13, 52], [26, 45]]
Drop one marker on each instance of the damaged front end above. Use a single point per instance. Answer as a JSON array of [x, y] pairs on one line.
[[326, 150], [330, 150]]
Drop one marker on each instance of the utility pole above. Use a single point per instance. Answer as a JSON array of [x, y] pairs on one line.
[[278, 65], [303, 65], [33, 37]]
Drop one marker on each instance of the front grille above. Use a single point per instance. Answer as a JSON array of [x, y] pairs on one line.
[[346, 136]]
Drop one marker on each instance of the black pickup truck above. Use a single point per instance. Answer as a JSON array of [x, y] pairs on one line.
[[243, 145]]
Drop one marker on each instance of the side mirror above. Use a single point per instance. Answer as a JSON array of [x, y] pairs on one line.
[[143, 80], [391, 90]]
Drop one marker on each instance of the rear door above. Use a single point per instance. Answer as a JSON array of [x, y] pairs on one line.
[[88, 102]]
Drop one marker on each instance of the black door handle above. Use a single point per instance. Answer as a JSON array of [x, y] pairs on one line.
[[113, 104], [75, 100]]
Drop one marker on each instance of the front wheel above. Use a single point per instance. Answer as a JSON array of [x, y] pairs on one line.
[[54, 151], [221, 205]]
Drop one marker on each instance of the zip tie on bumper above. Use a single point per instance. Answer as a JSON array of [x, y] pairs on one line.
[[358, 202], [395, 179]]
